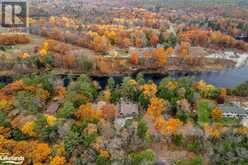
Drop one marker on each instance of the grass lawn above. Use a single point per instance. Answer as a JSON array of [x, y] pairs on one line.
[[230, 121]]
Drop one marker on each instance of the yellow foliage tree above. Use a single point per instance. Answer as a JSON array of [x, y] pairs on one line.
[[28, 128], [150, 90], [106, 96], [41, 152], [104, 153], [58, 160], [159, 123], [156, 107], [172, 126], [217, 113], [24, 56], [51, 119]]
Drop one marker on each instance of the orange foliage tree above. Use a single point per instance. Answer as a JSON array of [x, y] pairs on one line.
[[87, 112], [100, 43], [109, 111], [156, 107], [172, 126], [134, 58], [184, 50], [41, 152], [154, 39], [160, 57]]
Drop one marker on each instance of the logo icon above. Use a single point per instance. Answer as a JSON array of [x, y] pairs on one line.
[[14, 13], [6, 159]]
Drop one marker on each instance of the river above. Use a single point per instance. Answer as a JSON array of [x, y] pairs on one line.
[[228, 78]]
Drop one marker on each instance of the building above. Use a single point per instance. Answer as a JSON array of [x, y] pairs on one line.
[[231, 110], [127, 108]]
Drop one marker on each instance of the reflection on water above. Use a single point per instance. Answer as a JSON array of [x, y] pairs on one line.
[[227, 78]]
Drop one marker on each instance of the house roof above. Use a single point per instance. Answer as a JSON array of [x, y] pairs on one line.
[[229, 108], [128, 108]]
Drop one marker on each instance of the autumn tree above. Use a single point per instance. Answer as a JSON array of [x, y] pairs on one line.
[[216, 114], [150, 90], [86, 112], [172, 126], [41, 152], [157, 107], [58, 160], [184, 50], [134, 58], [69, 61], [160, 57], [101, 44], [154, 39], [109, 111]]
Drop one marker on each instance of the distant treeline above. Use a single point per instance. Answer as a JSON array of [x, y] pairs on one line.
[[190, 3]]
